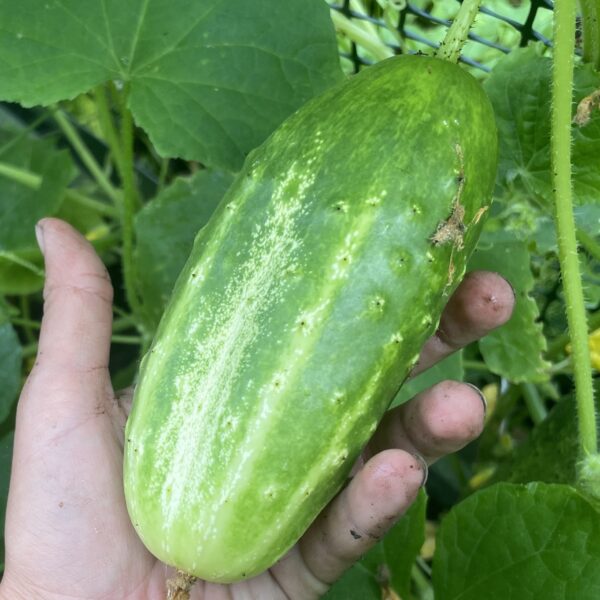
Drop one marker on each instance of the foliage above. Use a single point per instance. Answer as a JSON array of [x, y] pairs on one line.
[[135, 122]]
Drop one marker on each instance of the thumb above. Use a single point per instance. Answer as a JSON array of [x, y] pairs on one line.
[[74, 342]]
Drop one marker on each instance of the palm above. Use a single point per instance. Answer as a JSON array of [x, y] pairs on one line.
[[68, 533]]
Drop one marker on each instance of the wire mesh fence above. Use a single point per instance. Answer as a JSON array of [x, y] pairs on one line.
[[370, 30]]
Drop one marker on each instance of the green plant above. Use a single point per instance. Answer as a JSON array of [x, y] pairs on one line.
[[139, 139]]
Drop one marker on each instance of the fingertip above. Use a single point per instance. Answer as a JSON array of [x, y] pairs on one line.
[[489, 296], [386, 486], [444, 418]]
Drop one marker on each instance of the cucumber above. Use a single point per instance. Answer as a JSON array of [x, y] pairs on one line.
[[301, 310]]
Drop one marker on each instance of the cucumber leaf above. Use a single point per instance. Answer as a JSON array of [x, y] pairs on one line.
[[6, 445], [207, 80], [515, 349], [10, 373], [519, 542], [165, 230], [357, 582], [519, 88], [402, 545], [22, 206]]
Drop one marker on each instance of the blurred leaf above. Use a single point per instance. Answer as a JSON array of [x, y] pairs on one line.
[[402, 545], [6, 445], [519, 88], [519, 542], [357, 583], [449, 368], [551, 452], [22, 206], [10, 372], [209, 80], [515, 349], [165, 230]]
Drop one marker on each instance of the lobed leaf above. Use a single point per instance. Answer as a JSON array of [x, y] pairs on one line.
[[208, 80], [519, 542]]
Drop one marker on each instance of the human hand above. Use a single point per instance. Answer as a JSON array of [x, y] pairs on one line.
[[68, 534]]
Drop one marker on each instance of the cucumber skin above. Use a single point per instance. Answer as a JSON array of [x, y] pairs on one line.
[[300, 312]]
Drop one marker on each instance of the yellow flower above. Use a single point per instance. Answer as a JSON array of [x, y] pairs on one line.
[[594, 341]]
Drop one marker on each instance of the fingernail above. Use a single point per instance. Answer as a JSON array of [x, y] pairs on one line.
[[39, 234], [482, 397], [424, 468]]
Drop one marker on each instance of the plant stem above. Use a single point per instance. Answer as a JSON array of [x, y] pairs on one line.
[[34, 182], [95, 205], [130, 205], [590, 245], [359, 36], [562, 99], [557, 347], [590, 21], [459, 31], [535, 404], [26, 322], [12, 257], [86, 156], [475, 365], [126, 339], [108, 128], [22, 176]]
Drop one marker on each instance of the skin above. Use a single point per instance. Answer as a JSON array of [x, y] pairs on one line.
[[68, 535]]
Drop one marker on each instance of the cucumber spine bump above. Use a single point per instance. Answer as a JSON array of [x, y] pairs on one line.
[[301, 310]]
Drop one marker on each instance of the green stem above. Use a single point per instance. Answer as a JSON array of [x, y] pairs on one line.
[[562, 99], [22, 176], [108, 128], [86, 156], [122, 323], [475, 365], [95, 205], [459, 31], [34, 182], [130, 206], [373, 45], [535, 404], [591, 246], [557, 347], [29, 350], [14, 258], [26, 322], [590, 21], [127, 339]]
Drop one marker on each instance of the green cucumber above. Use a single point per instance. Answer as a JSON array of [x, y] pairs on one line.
[[301, 310]]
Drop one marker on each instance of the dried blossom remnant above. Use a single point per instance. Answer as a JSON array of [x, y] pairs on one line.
[[585, 108]]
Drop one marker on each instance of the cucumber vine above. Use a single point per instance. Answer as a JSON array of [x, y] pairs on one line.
[[562, 98]]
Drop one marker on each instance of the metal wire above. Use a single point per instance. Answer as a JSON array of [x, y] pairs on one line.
[[407, 32]]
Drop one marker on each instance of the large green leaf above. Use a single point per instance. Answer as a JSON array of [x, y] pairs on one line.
[[357, 583], [402, 545], [10, 372], [6, 445], [519, 542], [165, 230], [21, 206], [519, 88], [551, 452], [515, 349], [209, 80]]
